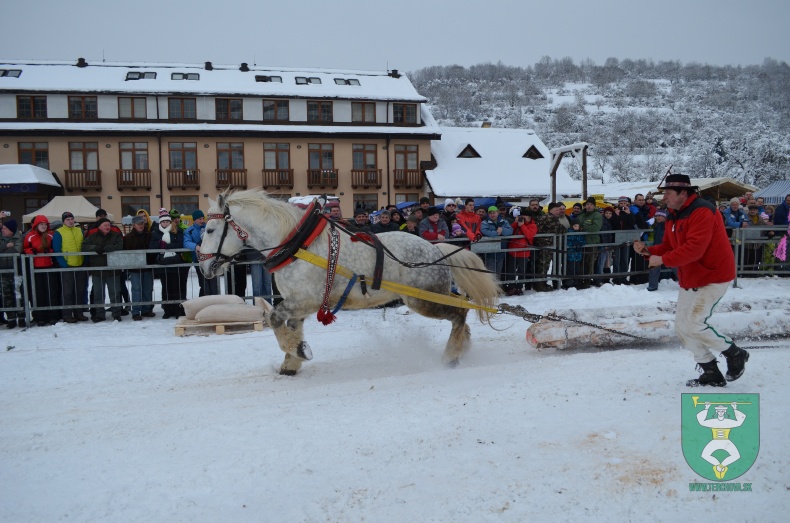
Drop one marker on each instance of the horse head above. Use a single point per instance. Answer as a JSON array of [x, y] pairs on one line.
[[222, 239]]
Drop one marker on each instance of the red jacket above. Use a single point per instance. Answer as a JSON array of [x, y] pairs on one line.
[[528, 230], [696, 242], [35, 243], [470, 223]]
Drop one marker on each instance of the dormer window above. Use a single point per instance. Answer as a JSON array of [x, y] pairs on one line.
[[533, 153], [264, 78], [185, 76], [140, 75], [304, 80], [10, 73], [346, 81], [469, 152]]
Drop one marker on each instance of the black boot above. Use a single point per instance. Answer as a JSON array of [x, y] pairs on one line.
[[711, 375], [736, 362]]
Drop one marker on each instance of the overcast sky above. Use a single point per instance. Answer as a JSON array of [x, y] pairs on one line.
[[397, 34]]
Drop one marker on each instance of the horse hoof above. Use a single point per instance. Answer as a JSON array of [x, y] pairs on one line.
[[287, 372], [453, 363], [304, 352]]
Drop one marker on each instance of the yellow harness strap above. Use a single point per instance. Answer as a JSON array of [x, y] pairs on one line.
[[398, 288]]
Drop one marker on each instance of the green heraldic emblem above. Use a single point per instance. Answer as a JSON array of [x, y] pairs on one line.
[[720, 433]]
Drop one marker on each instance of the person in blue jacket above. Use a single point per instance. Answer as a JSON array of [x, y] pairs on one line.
[[193, 238]]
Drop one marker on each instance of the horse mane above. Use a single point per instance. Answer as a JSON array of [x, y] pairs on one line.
[[279, 214]]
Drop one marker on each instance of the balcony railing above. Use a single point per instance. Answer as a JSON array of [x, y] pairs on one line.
[[83, 180], [408, 178], [133, 179], [366, 178], [231, 178], [322, 178], [183, 179], [278, 178]]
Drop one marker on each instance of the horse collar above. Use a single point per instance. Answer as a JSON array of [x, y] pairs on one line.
[[307, 230]]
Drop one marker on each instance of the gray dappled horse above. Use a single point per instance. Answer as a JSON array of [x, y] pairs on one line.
[[264, 223]]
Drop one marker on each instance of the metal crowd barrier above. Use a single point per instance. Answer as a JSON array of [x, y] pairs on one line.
[[750, 249]]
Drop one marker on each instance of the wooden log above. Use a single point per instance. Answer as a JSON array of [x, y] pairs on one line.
[[654, 325]]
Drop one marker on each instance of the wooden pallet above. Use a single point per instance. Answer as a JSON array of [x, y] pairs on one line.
[[186, 327]]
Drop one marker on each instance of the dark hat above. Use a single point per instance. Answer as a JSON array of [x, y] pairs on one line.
[[753, 206], [623, 199], [101, 213], [661, 213], [678, 181], [65, 215], [432, 211], [590, 200], [425, 199], [554, 205], [101, 221], [198, 214], [577, 204], [11, 225], [360, 212], [138, 219]]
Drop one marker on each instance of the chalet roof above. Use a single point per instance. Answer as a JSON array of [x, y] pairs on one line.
[[111, 77], [502, 168]]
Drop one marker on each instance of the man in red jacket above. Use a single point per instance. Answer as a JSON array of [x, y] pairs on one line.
[[696, 242]]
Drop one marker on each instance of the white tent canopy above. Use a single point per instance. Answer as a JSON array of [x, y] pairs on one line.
[[83, 210], [23, 174]]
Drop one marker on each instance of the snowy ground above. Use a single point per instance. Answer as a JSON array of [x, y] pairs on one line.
[[126, 422]]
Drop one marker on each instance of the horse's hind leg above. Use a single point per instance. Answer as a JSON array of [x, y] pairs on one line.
[[289, 332], [460, 339]]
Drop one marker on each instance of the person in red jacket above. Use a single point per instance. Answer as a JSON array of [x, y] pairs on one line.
[[469, 220], [39, 241], [517, 263], [696, 242]]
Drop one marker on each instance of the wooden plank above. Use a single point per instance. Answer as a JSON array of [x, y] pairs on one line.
[[186, 327]]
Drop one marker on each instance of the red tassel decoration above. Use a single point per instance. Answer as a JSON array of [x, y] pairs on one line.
[[325, 316]]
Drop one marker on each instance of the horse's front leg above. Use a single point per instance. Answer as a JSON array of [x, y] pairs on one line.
[[289, 331]]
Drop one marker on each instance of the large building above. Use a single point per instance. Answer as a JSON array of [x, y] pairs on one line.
[[129, 136]]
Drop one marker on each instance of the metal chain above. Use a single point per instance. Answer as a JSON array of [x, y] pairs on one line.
[[518, 310]]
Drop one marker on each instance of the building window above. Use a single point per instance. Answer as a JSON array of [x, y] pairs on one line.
[[406, 157], [346, 81], [264, 78], [276, 156], [469, 152], [363, 156], [229, 108], [275, 110], [532, 153], [131, 204], [34, 153], [304, 80], [183, 156], [83, 108], [34, 204], [131, 108], [34, 107], [319, 111], [404, 113], [369, 202], [406, 197], [181, 109], [185, 204], [230, 156], [321, 156], [140, 75], [185, 76], [84, 156], [134, 156], [96, 201], [363, 112]]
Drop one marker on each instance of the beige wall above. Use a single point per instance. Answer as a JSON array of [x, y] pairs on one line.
[[109, 161]]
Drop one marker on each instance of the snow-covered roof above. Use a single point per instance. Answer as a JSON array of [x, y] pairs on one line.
[[26, 174], [501, 168], [111, 77]]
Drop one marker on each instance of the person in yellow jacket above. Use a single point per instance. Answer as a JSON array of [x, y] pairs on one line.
[[74, 283]]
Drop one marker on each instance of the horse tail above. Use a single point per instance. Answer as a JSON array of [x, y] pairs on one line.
[[481, 286]]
